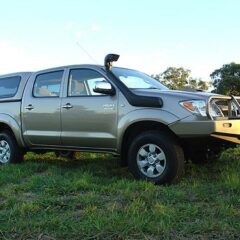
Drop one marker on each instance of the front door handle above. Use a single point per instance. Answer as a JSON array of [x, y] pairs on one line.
[[67, 106], [29, 107]]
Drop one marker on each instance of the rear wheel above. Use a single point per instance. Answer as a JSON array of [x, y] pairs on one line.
[[10, 152], [156, 156]]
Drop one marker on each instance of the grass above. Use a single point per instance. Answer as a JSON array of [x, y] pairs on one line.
[[91, 197]]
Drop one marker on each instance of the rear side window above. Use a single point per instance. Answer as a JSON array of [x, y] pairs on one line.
[[48, 84], [9, 86]]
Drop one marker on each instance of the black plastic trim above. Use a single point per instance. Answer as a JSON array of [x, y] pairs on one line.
[[10, 100]]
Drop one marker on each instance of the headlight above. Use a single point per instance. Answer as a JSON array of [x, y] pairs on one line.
[[197, 107], [215, 110]]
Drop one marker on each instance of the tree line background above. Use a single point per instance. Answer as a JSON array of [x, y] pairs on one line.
[[225, 80]]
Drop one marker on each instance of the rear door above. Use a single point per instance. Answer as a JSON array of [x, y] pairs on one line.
[[89, 120], [41, 108]]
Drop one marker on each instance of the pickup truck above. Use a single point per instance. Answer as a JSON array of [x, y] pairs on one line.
[[102, 108]]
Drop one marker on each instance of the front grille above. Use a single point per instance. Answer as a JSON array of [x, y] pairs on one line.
[[224, 107]]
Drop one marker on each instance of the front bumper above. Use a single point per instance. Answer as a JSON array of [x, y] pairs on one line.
[[228, 130]]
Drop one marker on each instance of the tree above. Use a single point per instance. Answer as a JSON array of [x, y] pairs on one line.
[[226, 80], [179, 78], [203, 85]]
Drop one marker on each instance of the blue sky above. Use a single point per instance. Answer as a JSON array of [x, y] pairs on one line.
[[149, 35]]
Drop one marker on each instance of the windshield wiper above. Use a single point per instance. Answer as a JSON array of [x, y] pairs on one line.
[[152, 87]]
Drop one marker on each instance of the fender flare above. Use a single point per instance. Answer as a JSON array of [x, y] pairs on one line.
[[14, 126], [142, 115]]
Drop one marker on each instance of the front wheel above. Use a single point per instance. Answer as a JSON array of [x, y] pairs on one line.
[[156, 156], [10, 152]]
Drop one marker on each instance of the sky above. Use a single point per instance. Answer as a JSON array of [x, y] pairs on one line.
[[199, 35]]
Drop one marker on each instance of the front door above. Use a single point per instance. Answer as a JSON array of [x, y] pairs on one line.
[[89, 120]]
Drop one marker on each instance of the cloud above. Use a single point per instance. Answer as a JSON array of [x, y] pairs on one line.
[[69, 26], [5, 48], [12, 57], [79, 35], [80, 32], [15, 58], [84, 33], [95, 27]]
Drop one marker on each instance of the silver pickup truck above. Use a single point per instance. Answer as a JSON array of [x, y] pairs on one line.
[[117, 110]]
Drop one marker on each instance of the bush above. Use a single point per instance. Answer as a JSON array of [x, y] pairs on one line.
[[231, 172]]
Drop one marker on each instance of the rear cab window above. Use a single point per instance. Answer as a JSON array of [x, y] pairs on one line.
[[48, 84], [9, 86]]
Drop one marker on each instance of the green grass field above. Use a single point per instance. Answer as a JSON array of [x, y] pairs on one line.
[[91, 197]]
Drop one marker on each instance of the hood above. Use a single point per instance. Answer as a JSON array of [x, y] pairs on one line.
[[174, 93]]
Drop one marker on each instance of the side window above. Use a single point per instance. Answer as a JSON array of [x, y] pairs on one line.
[[9, 86], [48, 84], [82, 82]]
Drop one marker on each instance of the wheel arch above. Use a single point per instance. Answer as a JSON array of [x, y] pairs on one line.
[[134, 129], [7, 123]]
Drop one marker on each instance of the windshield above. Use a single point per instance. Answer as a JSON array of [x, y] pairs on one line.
[[137, 80]]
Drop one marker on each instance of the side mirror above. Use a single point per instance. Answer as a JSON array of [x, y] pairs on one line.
[[104, 88]]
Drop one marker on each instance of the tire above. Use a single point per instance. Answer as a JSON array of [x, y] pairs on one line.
[[156, 156], [10, 152]]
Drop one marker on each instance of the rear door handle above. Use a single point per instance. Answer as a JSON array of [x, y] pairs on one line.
[[29, 107], [67, 106]]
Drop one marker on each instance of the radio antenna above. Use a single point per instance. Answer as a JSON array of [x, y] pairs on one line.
[[86, 52]]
